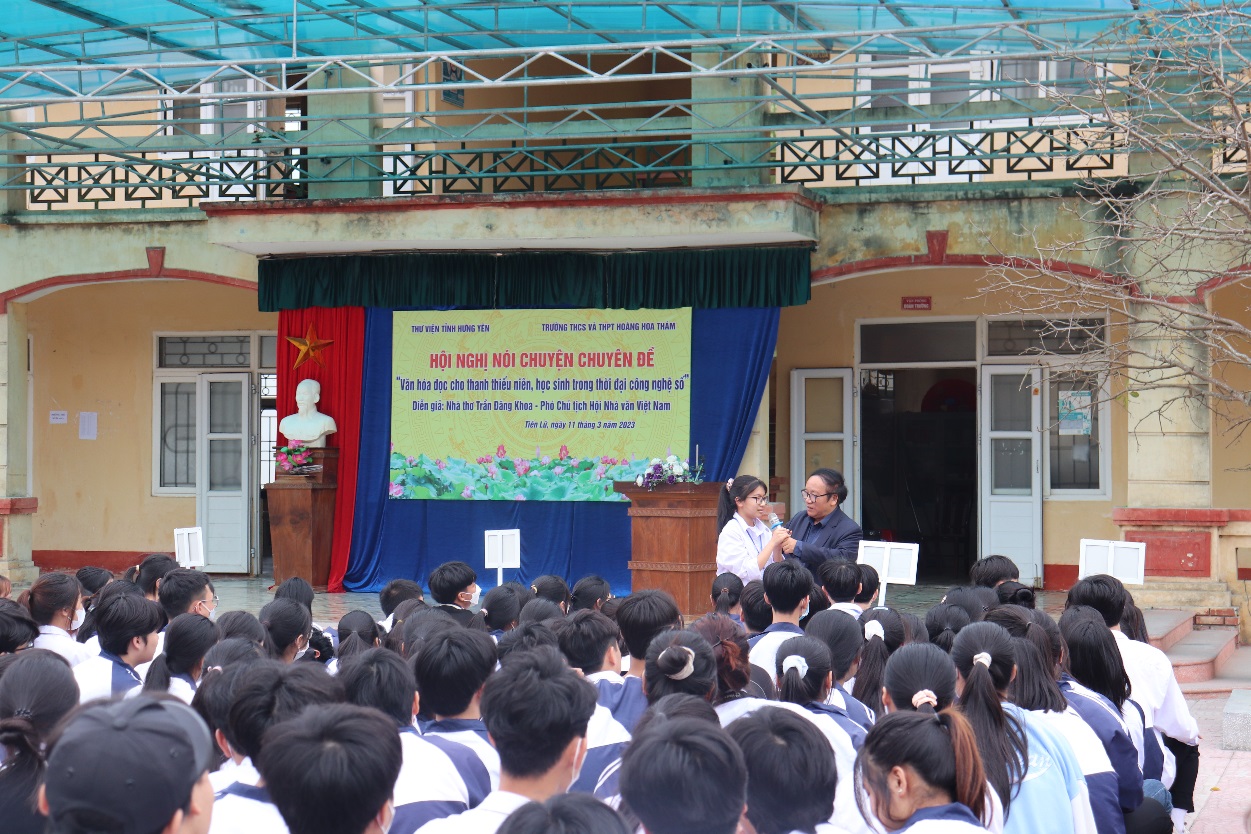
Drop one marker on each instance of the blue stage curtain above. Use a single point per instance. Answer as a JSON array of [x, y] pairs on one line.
[[731, 352]]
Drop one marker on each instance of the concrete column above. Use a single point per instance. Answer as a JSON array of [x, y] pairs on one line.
[[16, 507], [718, 107], [331, 174], [12, 201], [1170, 447]]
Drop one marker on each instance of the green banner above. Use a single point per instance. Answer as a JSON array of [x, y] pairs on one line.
[[536, 405]]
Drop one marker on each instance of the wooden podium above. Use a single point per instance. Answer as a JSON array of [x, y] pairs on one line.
[[674, 541], [301, 520]]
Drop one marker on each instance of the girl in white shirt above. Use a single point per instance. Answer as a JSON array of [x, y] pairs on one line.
[[56, 604], [746, 545], [921, 771], [178, 669]]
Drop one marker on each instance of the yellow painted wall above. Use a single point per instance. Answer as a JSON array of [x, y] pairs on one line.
[[821, 334], [93, 351], [1231, 446]]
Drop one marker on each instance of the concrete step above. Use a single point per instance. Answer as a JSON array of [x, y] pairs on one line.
[[1200, 654], [1235, 673], [1168, 625], [1181, 593]]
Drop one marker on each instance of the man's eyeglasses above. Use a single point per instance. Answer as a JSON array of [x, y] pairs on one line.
[[813, 496]]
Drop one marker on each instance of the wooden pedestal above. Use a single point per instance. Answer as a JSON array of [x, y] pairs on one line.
[[674, 541], [301, 520]]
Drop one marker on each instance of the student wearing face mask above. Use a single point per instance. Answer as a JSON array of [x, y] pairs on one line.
[[182, 591], [55, 602], [537, 711], [177, 670], [454, 586], [287, 628]]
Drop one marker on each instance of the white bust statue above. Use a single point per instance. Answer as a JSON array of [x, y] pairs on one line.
[[307, 426]]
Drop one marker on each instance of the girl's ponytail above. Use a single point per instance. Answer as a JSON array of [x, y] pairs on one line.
[[157, 679], [726, 590], [803, 666], [883, 633], [970, 776], [737, 488], [21, 739], [983, 655]]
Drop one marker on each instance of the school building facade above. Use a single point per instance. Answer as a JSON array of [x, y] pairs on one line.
[[138, 382]]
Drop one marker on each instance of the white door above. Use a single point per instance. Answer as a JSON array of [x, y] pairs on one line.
[[1010, 427], [821, 428], [222, 476]]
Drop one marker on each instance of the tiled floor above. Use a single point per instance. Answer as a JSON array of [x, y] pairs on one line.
[[1223, 791], [252, 594]]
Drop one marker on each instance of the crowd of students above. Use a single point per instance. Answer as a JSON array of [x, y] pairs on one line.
[[130, 706]]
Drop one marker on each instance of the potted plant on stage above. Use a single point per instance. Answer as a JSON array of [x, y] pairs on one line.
[[295, 459]]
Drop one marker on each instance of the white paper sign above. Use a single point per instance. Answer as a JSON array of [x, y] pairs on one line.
[[86, 425], [58, 418], [503, 550], [189, 547], [895, 562], [1127, 561], [1074, 413]]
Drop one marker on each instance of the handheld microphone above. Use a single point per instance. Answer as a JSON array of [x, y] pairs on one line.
[[774, 521]]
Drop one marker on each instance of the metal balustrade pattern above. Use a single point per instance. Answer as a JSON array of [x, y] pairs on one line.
[[980, 153]]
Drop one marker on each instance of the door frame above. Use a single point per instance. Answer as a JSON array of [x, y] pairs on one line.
[[1032, 572], [799, 437], [203, 437]]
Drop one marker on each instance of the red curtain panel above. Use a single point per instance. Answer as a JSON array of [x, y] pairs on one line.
[[340, 380]]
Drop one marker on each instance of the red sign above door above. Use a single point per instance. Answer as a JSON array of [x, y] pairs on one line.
[[916, 302]]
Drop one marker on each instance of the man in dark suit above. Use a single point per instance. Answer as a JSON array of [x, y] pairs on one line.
[[823, 531]]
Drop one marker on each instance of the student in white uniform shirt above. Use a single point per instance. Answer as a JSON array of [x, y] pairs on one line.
[[1037, 646], [128, 624], [56, 604], [267, 694], [844, 637], [568, 812], [1153, 687], [883, 634], [438, 778], [451, 670], [179, 668], [786, 587], [640, 617], [331, 771], [588, 640], [224, 666], [392, 594], [921, 772], [685, 775], [537, 711], [746, 545], [920, 677], [183, 591], [684, 662], [841, 583], [791, 779]]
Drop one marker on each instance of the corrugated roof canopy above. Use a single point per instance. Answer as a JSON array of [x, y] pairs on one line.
[[159, 34]]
